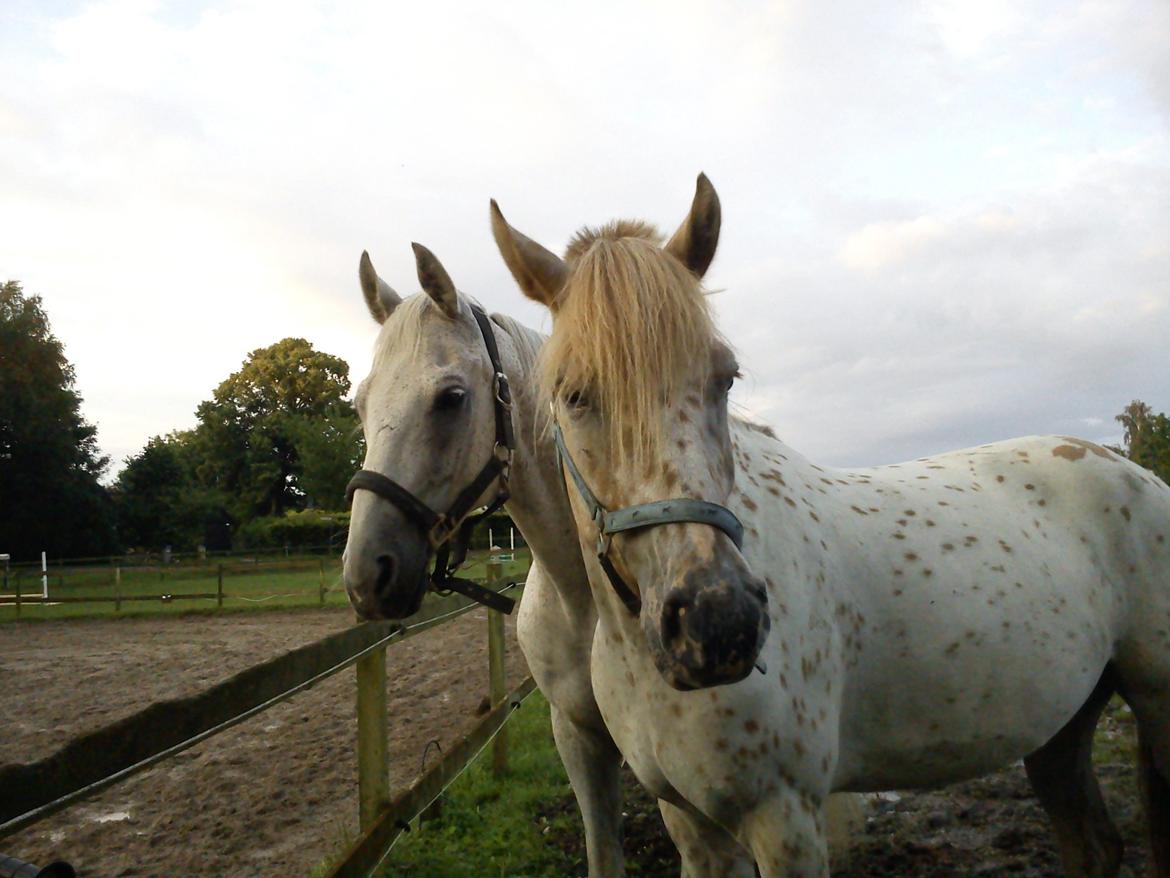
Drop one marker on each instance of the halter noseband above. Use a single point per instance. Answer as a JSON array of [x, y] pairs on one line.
[[453, 527], [681, 509]]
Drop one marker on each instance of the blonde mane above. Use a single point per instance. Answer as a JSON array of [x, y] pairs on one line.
[[632, 328]]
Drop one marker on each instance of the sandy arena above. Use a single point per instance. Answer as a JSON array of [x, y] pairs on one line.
[[278, 794], [272, 796]]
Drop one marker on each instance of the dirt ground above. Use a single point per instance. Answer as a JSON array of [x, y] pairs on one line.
[[276, 795], [984, 828], [272, 796]]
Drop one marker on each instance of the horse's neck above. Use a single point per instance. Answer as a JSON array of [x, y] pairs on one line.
[[539, 503], [799, 519]]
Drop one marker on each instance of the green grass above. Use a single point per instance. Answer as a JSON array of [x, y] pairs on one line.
[[500, 827], [247, 585], [489, 826]]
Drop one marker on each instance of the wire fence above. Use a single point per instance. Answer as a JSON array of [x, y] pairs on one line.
[[97, 760]]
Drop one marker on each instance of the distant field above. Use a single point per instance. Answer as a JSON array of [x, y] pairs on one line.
[[248, 584]]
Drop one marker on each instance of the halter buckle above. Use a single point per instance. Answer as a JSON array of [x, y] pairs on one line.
[[503, 454], [604, 538], [503, 390], [441, 531]]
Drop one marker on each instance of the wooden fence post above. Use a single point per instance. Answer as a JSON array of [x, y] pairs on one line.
[[322, 563], [497, 680], [219, 588], [18, 596], [373, 757], [117, 589]]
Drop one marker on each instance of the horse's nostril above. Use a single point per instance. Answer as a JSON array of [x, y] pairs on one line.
[[759, 592], [673, 610], [387, 566]]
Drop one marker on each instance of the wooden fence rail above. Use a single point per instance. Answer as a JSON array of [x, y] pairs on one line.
[[368, 851], [112, 591]]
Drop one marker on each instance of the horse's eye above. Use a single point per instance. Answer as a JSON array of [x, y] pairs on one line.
[[727, 383], [450, 399], [576, 400]]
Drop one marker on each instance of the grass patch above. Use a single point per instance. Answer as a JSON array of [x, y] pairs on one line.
[[488, 825], [247, 585]]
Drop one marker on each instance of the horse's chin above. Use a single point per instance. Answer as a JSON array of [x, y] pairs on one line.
[[685, 679], [392, 607], [400, 606]]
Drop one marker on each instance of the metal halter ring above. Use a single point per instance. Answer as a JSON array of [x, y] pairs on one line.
[[441, 531], [502, 390]]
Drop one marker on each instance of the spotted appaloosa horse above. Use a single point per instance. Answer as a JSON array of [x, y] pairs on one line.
[[929, 621]]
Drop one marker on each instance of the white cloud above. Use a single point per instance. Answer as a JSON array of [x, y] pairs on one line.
[[881, 245], [927, 225]]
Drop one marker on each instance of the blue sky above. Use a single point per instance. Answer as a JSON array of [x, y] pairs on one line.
[[944, 223]]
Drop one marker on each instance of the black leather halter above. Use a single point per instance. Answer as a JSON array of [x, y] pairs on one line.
[[449, 533], [681, 509]]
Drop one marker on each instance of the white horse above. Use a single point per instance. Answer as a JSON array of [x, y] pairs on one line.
[[427, 412], [929, 621]]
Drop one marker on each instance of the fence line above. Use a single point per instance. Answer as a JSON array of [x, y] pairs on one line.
[[92, 762], [113, 591], [369, 851], [192, 558]]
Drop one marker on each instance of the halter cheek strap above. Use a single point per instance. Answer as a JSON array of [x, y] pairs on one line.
[[452, 529], [675, 511]]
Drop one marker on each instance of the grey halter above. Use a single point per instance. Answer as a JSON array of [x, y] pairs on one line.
[[674, 511]]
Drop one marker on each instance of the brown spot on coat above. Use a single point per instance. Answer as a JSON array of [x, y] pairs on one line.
[[1068, 452]]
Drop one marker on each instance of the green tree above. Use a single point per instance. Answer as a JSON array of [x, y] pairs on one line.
[[329, 449], [1147, 438], [160, 503], [50, 496], [273, 436]]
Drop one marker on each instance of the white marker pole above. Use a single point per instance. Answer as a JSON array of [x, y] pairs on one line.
[[44, 578], [512, 539], [491, 540]]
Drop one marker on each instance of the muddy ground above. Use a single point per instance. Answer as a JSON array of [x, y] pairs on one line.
[[277, 794], [984, 828], [271, 796]]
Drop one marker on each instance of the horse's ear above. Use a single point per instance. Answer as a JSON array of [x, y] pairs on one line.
[[435, 281], [540, 274], [380, 299], [696, 239]]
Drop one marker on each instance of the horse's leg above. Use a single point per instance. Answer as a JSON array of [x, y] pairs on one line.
[[1150, 701], [787, 838], [1143, 670], [1062, 776], [707, 850], [1154, 782], [592, 761]]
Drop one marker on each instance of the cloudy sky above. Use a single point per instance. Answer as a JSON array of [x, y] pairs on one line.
[[944, 223]]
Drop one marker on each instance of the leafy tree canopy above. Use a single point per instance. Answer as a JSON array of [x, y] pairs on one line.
[[279, 434], [1147, 438], [159, 501], [50, 497]]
